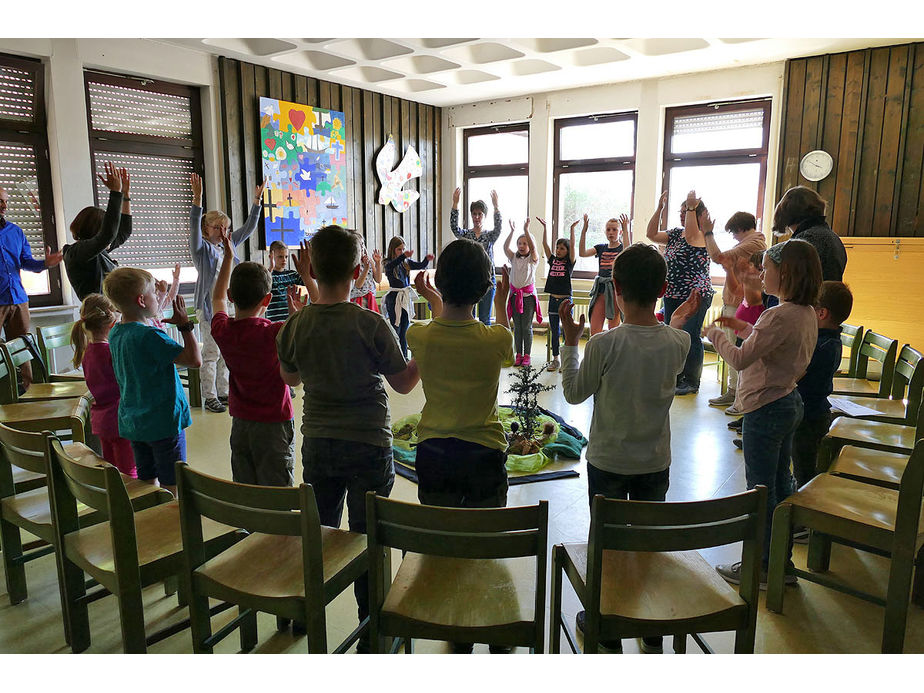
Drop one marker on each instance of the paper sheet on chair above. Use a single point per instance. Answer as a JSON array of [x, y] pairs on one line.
[[851, 408]]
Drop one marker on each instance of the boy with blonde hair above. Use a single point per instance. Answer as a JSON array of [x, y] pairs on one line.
[[153, 410]]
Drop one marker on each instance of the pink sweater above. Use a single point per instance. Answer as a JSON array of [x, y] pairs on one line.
[[774, 355]]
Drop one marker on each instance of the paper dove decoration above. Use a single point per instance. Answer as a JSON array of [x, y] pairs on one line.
[[393, 181]]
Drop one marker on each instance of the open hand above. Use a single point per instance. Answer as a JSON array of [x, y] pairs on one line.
[[408, 253], [686, 310], [456, 194], [429, 257], [52, 259], [541, 221], [295, 300], [662, 200], [586, 221], [179, 317], [302, 260], [126, 180], [624, 222], [377, 256], [258, 192], [570, 329], [526, 225], [366, 262], [692, 200], [196, 182], [111, 180], [708, 223], [494, 199], [735, 324], [176, 274]]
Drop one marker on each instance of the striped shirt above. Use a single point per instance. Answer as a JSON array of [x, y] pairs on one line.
[[278, 309]]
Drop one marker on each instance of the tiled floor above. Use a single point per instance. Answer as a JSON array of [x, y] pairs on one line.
[[705, 464]]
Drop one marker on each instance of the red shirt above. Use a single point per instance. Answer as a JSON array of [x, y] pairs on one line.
[[248, 346]]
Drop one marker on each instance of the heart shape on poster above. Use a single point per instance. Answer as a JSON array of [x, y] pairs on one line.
[[270, 143], [297, 118]]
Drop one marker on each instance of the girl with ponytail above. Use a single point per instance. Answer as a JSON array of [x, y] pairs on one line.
[[90, 337]]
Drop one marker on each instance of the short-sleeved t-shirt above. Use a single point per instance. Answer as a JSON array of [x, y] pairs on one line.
[[153, 405], [248, 346], [341, 351], [687, 268], [460, 363], [605, 257], [558, 281]]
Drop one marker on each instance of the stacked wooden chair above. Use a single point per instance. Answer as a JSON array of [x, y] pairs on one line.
[[874, 348]]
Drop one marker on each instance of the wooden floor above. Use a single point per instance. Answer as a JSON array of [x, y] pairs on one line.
[[705, 464]]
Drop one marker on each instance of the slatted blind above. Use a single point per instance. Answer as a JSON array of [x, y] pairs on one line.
[[161, 198], [719, 122], [137, 111], [17, 94], [19, 177]]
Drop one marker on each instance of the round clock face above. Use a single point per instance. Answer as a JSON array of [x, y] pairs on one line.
[[816, 165]]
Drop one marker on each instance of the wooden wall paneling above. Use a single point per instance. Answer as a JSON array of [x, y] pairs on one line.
[[359, 170], [872, 140], [323, 94], [387, 129], [414, 184], [408, 229], [858, 155], [249, 140], [372, 236], [253, 156], [911, 193], [274, 83], [335, 99], [795, 82], [436, 213], [229, 72], [288, 86], [812, 102], [312, 92], [845, 172], [426, 178], [301, 89], [372, 184], [892, 128], [348, 140], [831, 127]]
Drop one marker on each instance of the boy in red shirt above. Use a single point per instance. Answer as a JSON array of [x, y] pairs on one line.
[[262, 426]]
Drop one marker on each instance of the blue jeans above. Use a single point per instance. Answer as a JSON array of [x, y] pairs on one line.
[[401, 329], [766, 436], [555, 324], [693, 368], [157, 459], [484, 306]]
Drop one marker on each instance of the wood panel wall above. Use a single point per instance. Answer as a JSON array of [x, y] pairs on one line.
[[866, 109], [370, 117]]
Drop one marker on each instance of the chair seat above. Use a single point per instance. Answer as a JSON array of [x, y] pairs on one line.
[[874, 465], [891, 408], [855, 386], [874, 434], [157, 532], [51, 391], [463, 592], [270, 566], [24, 480], [653, 586], [47, 413]]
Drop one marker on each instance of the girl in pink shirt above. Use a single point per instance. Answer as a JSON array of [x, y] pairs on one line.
[[90, 338], [771, 359]]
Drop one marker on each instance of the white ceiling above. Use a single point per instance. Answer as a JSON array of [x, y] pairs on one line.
[[451, 71]]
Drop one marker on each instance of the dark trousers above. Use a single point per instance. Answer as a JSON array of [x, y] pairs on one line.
[[401, 329], [640, 487], [156, 459], [345, 468], [459, 474], [555, 324], [805, 442], [693, 367], [483, 307]]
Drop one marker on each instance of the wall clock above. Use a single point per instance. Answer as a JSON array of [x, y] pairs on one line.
[[816, 165]]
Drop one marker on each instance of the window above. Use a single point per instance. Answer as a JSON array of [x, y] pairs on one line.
[[154, 130], [594, 174], [719, 150], [496, 158], [24, 170]]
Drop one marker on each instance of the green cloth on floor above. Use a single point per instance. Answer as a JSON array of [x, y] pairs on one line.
[[566, 446]]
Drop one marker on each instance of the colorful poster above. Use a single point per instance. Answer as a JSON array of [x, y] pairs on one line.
[[304, 163]]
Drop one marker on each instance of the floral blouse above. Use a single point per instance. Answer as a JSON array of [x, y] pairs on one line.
[[687, 268]]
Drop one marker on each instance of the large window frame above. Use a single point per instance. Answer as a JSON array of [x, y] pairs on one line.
[[597, 165], [103, 142], [490, 170], [35, 135], [717, 157]]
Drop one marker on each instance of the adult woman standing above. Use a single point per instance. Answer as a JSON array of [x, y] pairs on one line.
[[485, 239], [687, 271], [802, 211]]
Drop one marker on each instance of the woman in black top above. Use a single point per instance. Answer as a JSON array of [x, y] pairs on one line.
[[97, 233], [802, 211]]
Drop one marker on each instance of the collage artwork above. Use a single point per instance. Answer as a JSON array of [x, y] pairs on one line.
[[304, 163]]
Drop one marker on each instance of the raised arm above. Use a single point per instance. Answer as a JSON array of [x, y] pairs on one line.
[[545, 237], [404, 381], [578, 380], [495, 233], [125, 220], [220, 292], [420, 264], [624, 234], [762, 339], [87, 249], [243, 233], [195, 215], [366, 263], [190, 357], [533, 256], [454, 213], [302, 263], [692, 234], [572, 249], [429, 292], [377, 266], [584, 250], [653, 231], [507, 251], [715, 253]]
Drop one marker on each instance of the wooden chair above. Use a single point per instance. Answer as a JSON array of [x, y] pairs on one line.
[[125, 553], [189, 376], [878, 348], [871, 435], [288, 565], [468, 575], [640, 574], [851, 338], [50, 339], [871, 518], [15, 353]]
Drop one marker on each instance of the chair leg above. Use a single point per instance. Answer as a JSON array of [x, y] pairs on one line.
[[896, 610], [776, 570], [316, 629], [555, 606], [131, 618], [200, 623], [819, 552], [170, 586], [408, 646], [195, 387], [680, 643], [13, 568], [76, 615], [248, 630]]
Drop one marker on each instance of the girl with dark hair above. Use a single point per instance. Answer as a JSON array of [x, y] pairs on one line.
[[400, 297], [558, 283], [802, 211], [97, 233], [485, 239]]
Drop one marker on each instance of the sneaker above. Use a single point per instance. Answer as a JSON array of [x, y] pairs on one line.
[[731, 411], [554, 365], [614, 646], [525, 361], [800, 535], [519, 360], [652, 644], [213, 404], [223, 399], [736, 425], [724, 400], [686, 388], [738, 444], [731, 572]]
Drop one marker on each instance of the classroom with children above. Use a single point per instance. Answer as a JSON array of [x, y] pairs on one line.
[[461, 345]]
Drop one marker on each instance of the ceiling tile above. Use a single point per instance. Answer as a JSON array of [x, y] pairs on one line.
[[468, 77], [666, 46], [595, 56], [416, 85], [532, 67], [252, 46], [421, 64], [480, 53], [367, 73], [313, 60], [550, 45], [370, 48]]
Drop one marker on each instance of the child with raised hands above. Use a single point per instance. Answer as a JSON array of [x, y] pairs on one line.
[[153, 411], [630, 371], [278, 309], [90, 338], [557, 282], [363, 291], [205, 245], [523, 303], [617, 240], [773, 356], [399, 300], [262, 426]]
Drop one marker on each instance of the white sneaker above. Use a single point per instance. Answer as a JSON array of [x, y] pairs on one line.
[[732, 411], [554, 365], [723, 400]]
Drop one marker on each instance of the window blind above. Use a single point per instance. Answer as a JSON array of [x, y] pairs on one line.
[[19, 177], [120, 109], [17, 94], [718, 122]]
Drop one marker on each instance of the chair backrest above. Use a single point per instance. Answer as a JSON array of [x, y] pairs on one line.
[[277, 510], [908, 379], [879, 348], [8, 386], [852, 337], [22, 449], [620, 525], [18, 351], [908, 513], [53, 337]]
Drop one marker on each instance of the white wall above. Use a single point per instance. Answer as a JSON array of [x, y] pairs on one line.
[[649, 97], [68, 135]]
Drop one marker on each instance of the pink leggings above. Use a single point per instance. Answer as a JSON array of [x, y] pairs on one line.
[[118, 452]]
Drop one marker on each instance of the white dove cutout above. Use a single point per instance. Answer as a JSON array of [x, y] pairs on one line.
[[393, 181]]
